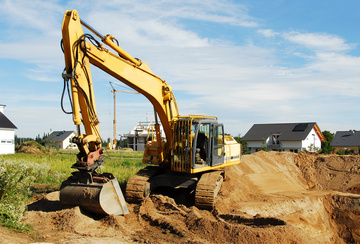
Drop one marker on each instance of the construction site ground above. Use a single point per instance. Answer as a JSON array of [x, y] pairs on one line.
[[270, 197]]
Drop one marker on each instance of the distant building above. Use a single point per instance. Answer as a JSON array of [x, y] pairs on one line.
[[141, 134], [293, 137], [60, 139], [7, 133], [346, 140]]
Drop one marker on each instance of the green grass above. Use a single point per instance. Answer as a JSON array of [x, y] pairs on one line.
[[123, 154], [56, 165], [123, 164], [22, 175]]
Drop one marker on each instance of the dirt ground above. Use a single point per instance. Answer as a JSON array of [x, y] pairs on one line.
[[270, 197]]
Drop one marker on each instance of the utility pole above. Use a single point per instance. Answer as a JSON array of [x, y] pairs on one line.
[[114, 121]]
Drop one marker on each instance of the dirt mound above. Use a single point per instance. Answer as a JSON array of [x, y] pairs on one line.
[[345, 211], [191, 225], [56, 224], [331, 172], [32, 147], [339, 173], [160, 220], [270, 197]]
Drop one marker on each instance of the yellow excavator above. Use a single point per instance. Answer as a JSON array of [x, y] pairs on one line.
[[192, 156]]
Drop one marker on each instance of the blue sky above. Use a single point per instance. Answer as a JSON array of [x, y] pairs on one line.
[[247, 62]]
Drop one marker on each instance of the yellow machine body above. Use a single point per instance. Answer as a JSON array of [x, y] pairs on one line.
[[194, 144]]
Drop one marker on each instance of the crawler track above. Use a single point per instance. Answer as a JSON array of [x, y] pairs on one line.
[[138, 187], [207, 189]]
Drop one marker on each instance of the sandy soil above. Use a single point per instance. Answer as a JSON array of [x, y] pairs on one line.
[[269, 198]]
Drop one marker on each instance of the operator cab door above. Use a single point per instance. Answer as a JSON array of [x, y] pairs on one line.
[[202, 144], [218, 149]]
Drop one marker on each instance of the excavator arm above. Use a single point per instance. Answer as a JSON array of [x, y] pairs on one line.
[[81, 49]]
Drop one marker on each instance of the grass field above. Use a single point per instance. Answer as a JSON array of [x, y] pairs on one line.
[[56, 165], [22, 175]]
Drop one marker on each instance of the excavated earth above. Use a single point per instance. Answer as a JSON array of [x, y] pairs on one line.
[[270, 197]]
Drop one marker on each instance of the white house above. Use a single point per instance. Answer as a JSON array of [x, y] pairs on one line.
[[141, 134], [293, 137], [7, 133], [60, 139]]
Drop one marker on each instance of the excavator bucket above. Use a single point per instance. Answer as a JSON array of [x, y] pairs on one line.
[[99, 198]]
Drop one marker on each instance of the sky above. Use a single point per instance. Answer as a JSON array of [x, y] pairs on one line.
[[246, 62]]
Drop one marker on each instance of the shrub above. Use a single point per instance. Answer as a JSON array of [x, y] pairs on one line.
[[15, 180]]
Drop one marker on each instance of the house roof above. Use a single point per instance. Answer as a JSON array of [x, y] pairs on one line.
[[286, 131], [60, 136], [5, 122], [346, 139]]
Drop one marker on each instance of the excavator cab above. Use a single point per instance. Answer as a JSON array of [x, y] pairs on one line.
[[198, 151], [198, 144], [208, 147]]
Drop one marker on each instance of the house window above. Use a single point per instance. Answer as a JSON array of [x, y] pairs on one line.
[[5, 141], [275, 138]]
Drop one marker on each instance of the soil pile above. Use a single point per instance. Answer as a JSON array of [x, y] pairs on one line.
[[32, 147], [331, 172], [269, 198], [338, 173], [158, 220]]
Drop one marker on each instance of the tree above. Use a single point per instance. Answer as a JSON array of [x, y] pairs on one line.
[[326, 146], [20, 140], [263, 146], [41, 140]]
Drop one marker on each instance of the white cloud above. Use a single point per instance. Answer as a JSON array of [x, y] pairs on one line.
[[34, 120], [267, 32], [37, 15], [215, 11], [318, 41]]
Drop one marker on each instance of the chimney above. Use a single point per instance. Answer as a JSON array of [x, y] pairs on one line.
[[2, 108]]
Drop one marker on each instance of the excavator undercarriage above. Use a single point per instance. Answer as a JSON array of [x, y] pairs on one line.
[[205, 185]]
